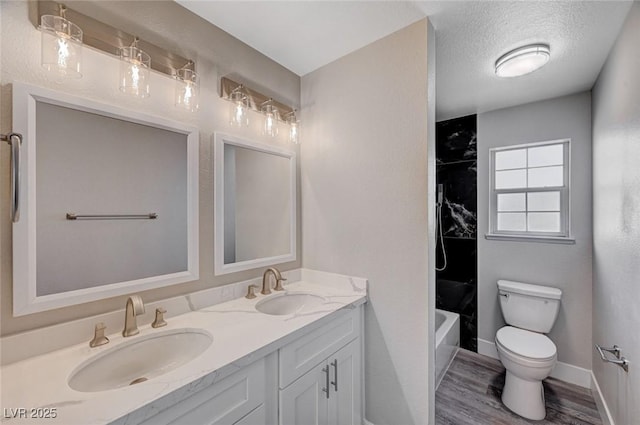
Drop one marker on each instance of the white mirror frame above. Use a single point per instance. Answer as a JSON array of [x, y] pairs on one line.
[[25, 299], [220, 140]]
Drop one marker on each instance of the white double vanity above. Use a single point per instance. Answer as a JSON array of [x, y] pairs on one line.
[[300, 367], [117, 215]]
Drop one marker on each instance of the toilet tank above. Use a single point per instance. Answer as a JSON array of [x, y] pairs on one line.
[[527, 306]]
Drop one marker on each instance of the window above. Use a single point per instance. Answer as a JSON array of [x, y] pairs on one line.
[[530, 191]]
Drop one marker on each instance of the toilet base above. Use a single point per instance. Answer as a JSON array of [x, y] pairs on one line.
[[526, 398]]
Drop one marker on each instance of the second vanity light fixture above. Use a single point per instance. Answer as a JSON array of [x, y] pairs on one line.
[[63, 38], [244, 99]]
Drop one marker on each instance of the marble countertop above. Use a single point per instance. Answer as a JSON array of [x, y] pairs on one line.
[[240, 333]]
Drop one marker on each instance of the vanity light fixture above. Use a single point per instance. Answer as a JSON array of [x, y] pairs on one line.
[[239, 107], [187, 87], [294, 127], [243, 99], [523, 60], [61, 51], [271, 118], [62, 42], [134, 70]]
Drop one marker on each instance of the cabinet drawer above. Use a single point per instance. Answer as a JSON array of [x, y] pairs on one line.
[[306, 352], [257, 417], [224, 402]]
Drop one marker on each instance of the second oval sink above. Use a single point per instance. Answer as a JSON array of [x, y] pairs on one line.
[[142, 358], [289, 303]]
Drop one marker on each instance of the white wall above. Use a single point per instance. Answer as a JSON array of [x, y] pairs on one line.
[[616, 217], [364, 203], [166, 24], [567, 267]]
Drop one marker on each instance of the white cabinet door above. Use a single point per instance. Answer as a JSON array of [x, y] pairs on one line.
[[304, 402], [345, 377]]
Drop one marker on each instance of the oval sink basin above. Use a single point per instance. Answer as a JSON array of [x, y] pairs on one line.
[[143, 358], [289, 303]]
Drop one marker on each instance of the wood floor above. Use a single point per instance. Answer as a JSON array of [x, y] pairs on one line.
[[470, 392]]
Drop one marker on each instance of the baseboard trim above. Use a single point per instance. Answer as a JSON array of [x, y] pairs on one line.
[[601, 403], [563, 371]]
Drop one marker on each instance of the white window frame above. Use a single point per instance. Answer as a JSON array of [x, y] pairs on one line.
[[564, 236]]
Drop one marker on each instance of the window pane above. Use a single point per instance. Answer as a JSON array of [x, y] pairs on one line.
[[514, 222], [511, 179], [511, 202], [546, 155], [544, 222], [543, 201], [506, 160], [546, 177]]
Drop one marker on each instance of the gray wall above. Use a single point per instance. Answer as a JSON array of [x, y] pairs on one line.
[[364, 178], [616, 219], [169, 25], [567, 267]]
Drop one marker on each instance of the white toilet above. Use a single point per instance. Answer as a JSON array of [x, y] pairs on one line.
[[529, 356]]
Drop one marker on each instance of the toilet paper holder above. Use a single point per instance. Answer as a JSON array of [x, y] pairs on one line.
[[616, 351]]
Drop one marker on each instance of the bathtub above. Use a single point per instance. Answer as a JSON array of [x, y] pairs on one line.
[[447, 341]]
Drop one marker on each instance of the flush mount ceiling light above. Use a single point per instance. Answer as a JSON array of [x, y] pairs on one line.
[[523, 60]]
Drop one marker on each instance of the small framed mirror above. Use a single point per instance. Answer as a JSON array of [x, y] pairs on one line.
[[255, 204]]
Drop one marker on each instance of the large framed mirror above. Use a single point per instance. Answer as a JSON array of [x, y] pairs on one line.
[[255, 204], [109, 201]]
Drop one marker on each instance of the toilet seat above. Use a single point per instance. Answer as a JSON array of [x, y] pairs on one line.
[[526, 344]]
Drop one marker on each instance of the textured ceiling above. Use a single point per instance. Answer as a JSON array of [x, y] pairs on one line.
[[470, 36]]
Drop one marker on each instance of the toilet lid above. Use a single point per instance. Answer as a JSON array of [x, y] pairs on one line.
[[526, 343]]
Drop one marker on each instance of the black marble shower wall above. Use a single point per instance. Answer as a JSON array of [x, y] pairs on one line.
[[456, 170]]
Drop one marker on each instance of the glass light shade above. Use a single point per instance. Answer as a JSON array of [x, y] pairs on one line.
[[294, 127], [271, 117], [134, 71], [239, 112], [523, 60], [61, 46], [187, 89], [294, 132]]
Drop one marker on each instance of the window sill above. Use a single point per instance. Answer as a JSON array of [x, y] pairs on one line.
[[523, 238]]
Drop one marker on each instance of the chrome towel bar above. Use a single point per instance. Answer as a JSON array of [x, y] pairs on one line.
[[615, 350], [150, 216]]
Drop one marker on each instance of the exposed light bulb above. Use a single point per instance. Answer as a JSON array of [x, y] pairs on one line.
[[135, 77], [63, 52]]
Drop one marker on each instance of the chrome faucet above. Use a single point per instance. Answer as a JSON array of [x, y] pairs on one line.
[[135, 306], [266, 287]]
